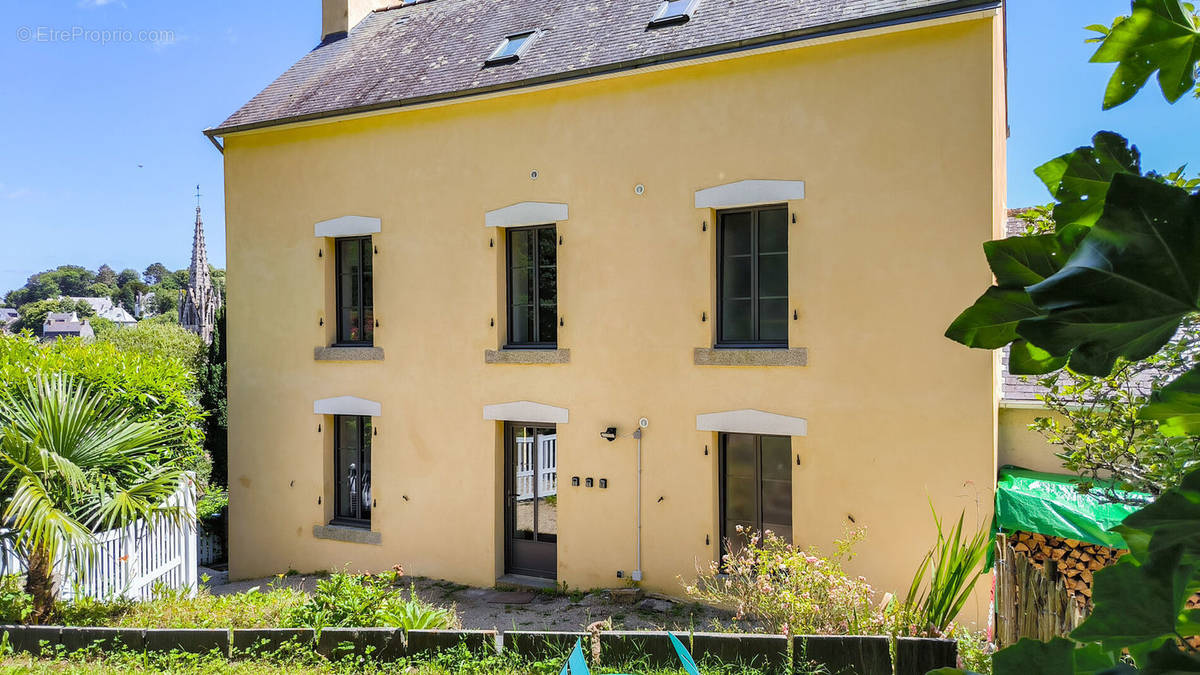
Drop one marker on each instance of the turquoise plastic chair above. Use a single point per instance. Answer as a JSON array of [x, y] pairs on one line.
[[577, 665]]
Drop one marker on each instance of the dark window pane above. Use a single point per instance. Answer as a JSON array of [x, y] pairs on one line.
[[533, 282], [739, 455], [522, 324], [772, 276], [519, 242], [548, 286], [352, 466], [350, 329], [355, 295], [522, 286], [348, 255], [772, 320], [547, 246], [740, 501], [776, 457], [736, 232], [777, 502], [772, 231], [736, 321], [547, 324], [736, 278]]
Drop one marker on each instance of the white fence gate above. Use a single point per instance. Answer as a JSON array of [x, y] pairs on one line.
[[546, 474], [133, 560]]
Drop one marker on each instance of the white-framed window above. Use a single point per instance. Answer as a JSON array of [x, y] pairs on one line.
[[512, 47], [673, 11]]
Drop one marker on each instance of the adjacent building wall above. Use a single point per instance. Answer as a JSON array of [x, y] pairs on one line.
[[897, 139], [1021, 446]]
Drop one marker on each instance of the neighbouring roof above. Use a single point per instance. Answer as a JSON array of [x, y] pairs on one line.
[[431, 50], [105, 308], [8, 315]]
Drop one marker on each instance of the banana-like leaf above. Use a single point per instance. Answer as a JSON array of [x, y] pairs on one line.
[[1137, 603], [1160, 35], [1176, 406], [1125, 290], [1079, 180]]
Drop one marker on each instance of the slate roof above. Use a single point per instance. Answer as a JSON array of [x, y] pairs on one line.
[[435, 49]]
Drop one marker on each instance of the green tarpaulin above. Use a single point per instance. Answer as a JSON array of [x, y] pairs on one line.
[[1052, 504]]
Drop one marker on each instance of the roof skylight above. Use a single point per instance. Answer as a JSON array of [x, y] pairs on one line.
[[512, 48], [673, 11]]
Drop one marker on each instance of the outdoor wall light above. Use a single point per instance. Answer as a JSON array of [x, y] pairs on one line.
[[603, 483], [589, 482], [609, 434], [575, 481]]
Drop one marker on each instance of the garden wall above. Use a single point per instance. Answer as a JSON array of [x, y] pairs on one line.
[[862, 655]]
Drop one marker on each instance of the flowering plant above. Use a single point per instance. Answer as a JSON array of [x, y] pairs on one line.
[[787, 589]]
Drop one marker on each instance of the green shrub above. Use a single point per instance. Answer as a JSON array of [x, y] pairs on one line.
[[790, 590], [368, 600], [415, 614], [150, 388], [173, 609], [953, 566], [15, 603]]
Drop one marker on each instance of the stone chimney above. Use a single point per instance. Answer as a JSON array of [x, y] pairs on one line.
[[339, 16]]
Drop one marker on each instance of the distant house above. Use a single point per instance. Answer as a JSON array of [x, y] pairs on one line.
[[8, 316], [106, 309], [66, 324]]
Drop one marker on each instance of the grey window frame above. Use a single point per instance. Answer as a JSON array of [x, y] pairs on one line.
[[364, 451], [537, 304], [366, 250], [756, 342], [722, 440]]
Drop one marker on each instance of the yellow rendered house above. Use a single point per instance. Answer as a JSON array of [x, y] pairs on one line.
[[567, 291]]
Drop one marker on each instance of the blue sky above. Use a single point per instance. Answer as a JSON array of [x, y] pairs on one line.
[[101, 143]]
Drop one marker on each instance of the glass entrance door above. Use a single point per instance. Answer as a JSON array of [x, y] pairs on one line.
[[531, 503]]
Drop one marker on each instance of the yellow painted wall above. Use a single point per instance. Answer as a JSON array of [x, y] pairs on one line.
[[900, 140], [1019, 446]]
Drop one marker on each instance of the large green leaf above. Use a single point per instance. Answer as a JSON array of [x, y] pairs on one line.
[[1026, 359], [1169, 659], [1176, 406], [1079, 180], [1129, 283], [992, 321], [1031, 657], [1016, 262], [1172, 520], [1137, 603], [1159, 35]]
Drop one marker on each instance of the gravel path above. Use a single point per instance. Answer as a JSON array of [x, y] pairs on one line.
[[487, 608]]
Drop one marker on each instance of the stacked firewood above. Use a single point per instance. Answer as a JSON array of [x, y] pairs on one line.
[[1073, 561]]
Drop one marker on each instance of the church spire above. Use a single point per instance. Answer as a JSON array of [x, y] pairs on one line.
[[198, 305]]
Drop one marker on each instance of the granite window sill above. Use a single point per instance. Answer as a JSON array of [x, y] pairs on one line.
[[707, 356], [527, 356], [353, 535], [348, 353]]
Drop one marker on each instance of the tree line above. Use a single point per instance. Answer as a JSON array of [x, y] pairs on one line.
[[157, 286]]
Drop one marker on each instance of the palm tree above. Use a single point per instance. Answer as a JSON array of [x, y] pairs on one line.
[[74, 465]]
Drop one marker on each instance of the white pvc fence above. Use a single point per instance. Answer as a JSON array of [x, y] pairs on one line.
[[526, 472], [132, 561]]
